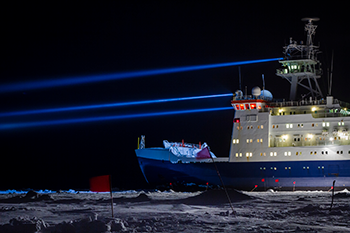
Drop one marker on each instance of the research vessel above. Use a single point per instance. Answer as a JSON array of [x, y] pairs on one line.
[[295, 144]]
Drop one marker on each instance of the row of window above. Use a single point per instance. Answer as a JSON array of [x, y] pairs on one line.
[[290, 168], [259, 127], [236, 140], [324, 124], [287, 153]]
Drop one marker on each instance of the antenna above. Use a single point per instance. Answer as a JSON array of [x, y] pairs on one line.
[[240, 78], [331, 78], [263, 79]]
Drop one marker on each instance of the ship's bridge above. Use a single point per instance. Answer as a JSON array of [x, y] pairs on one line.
[[248, 104]]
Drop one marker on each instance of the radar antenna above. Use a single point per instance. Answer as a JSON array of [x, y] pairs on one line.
[[300, 63], [310, 28]]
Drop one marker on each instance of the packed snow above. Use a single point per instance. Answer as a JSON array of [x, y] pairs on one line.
[[169, 211]]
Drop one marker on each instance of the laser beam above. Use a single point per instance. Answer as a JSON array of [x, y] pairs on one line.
[[6, 88], [9, 126], [109, 105]]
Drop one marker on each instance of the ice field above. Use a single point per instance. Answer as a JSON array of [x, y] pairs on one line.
[[169, 211]]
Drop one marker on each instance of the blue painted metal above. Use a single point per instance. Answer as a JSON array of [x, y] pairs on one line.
[[244, 176]]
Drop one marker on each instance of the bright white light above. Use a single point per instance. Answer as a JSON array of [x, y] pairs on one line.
[[313, 109]]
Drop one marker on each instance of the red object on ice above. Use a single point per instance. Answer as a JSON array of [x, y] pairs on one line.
[[263, 180], [256, 186], [276, 180], [100, 184], [294, 182], [203, 154]]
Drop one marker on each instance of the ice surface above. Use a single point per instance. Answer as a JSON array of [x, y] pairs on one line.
[[155, 211]]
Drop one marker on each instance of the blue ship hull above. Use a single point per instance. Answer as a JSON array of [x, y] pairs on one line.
[[245, 176]]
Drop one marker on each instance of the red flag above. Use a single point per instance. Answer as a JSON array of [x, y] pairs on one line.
[[203, 154], [100, 183]]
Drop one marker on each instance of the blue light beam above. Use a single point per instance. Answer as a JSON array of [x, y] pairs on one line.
[[110, 105], [6, 88], [9, 126]]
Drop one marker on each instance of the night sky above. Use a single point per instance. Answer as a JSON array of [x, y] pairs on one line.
[[56, 40]]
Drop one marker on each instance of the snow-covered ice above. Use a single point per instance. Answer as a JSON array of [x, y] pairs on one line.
[[168, 211]]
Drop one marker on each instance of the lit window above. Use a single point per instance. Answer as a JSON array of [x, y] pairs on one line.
[[261, 140], [289, 153], [296, 153], [257, 140], [273, 126], [247, 140], [252, 106], [271, 153], [323, 124], [285, 153], [275, 154], [240, 154], [251, 140], [236, 154], [261, 126], [265, 153], [327, 124], [234, 141]]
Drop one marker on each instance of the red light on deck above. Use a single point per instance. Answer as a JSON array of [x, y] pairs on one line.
[[236, 120], [252, 106], [276, 180], [262, 180]]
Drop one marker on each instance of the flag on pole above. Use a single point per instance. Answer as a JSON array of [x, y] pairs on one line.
[[203, 154], [100, 184]]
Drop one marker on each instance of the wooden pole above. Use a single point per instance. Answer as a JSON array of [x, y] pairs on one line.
[[223, 185], [110, 190], [332, 196]]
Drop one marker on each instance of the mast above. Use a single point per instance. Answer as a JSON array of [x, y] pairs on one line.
[[300, 63]]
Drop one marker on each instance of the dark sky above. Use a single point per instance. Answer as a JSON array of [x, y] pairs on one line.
[[56, 40]]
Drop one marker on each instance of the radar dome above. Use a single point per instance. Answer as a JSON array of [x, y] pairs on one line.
[[265, 94], [256, 91]]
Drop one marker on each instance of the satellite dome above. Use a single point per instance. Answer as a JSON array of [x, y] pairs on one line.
[[256, 91], [265, 94]]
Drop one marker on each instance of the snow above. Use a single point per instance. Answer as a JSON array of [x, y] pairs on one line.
[[169, 211]]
